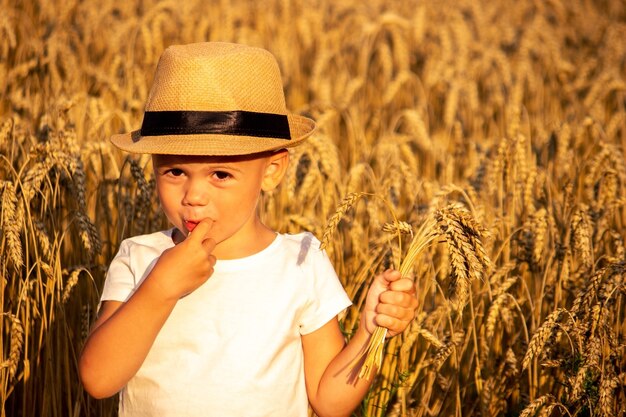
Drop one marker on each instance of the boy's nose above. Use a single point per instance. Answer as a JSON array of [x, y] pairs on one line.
[[196, 194]]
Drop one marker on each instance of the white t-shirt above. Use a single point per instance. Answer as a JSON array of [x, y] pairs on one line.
[[232, 347]]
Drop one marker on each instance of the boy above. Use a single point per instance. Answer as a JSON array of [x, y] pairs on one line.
[[220, 315]]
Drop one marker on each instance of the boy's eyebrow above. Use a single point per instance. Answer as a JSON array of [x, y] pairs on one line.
[[174, 163], [223, 165]]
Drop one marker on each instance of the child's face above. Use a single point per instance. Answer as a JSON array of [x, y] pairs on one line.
[[224, 189]]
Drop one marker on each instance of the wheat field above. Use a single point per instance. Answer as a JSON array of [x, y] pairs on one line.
[[478, 144]]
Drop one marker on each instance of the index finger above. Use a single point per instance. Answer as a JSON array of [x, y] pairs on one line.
[[391, 275], [201, 231]]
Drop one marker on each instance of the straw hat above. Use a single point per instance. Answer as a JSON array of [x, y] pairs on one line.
[[216, 98]]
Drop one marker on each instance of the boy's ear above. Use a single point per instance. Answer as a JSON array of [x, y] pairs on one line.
[[275, 169]]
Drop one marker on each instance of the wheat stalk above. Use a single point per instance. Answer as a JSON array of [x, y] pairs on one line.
[[11, 226]]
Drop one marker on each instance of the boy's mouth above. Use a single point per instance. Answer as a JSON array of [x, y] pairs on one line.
[[190, 225]]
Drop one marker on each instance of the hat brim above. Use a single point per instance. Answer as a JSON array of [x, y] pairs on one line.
[[300, 128]]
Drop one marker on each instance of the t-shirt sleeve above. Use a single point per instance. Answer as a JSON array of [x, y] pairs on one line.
[[120, 280], [327, 297]]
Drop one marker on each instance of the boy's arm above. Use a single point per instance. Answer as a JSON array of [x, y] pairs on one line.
[[331, 368], [120, 340], [124, 332]]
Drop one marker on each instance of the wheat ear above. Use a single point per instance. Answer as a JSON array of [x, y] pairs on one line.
[[17, 342], [345, 205]]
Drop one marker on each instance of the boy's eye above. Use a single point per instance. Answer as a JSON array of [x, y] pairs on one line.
[[175, 172], [221, 175]]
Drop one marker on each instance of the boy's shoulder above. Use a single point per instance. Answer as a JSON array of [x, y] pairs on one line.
[[300, 240], [303, 245]]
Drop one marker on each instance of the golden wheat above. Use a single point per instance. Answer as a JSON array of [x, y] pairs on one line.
[[606, 402], [10, 224], [500, 298], [345, 205], [532, 408], [468, 258], [70, 283], [16, 342], [514, 110]]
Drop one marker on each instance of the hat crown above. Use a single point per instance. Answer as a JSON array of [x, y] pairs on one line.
[[217, 76]]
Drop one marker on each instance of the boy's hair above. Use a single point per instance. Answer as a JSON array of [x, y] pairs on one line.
[[216, 98]]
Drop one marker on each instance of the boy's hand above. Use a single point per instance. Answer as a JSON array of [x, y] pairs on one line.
[[186, 266], [390, 303]]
